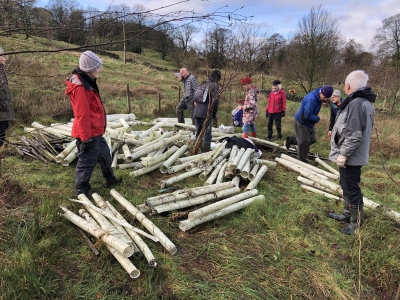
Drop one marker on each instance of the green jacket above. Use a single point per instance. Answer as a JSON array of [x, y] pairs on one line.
[[6, 107]]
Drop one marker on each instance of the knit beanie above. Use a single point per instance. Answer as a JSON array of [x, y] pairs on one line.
[[327, 91], [276, 82], [89, 62], [245, 80]]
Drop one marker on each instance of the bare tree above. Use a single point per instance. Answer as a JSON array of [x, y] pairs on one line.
[[313, 49], [184, 35]]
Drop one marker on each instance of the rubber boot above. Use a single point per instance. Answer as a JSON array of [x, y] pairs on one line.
[[344, 216], [113, 181], [279, 135], [253, 134], [356, 220], [244, 135], [206, 146]]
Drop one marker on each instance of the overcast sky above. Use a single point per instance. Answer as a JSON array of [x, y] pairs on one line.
[[358, 19]]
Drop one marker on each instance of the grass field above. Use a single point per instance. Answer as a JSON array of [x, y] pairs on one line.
[[283, 248]]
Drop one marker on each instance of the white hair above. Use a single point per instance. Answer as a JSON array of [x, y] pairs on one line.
[[278, 85], [357, 79]]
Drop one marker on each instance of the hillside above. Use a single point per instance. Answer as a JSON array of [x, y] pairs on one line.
[[283, 248]]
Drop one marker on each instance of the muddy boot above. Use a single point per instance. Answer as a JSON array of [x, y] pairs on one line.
[[356, 220], [205, 146], [244, 135], [113, 181], [253, 134], [344, 216]]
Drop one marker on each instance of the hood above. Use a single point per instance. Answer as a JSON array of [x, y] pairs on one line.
[[365, 92]]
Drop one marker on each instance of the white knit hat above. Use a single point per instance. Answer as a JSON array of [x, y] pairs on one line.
[[89, 62]]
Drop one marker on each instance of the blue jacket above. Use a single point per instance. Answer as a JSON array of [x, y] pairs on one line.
[[309, 109]]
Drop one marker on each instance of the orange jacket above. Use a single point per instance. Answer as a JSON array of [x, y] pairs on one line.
[[89, 114]]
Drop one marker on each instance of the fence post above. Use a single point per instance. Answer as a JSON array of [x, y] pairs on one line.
[[159, 103], [128, 101], [179, 93]]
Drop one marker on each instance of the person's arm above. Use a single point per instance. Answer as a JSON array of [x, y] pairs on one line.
[[283, 100], [309, 108], [82, 113]]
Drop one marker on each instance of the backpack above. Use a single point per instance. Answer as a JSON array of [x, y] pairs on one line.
[[237, 115], [202, 92]]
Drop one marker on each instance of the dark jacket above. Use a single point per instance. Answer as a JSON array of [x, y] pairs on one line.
[[201, 108], [334, 111], [89, 114], [189, 87], [309, 109], [6, 107], [351, 134]]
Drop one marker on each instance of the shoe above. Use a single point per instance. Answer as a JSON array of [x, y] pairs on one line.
[[244, 135], [205, 146], [268, 139], [356, 219], [112, 182], [344, 216], [253, 134], [88, 194]]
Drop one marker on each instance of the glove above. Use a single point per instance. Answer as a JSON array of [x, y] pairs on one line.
[[87, 145], [283, 114], [266, 114], [341, 160]]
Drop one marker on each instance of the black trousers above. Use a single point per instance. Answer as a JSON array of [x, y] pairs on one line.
[[3, 128], [350, 178], [277, 118], [100, 154], [305, 137]]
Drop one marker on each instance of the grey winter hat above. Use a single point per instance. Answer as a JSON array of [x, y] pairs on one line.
[[89, 62], [336, 93]]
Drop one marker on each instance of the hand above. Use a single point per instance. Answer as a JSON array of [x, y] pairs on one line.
[[87, 145], [329, 133], [341, 160], [240, 107], [283, 114]]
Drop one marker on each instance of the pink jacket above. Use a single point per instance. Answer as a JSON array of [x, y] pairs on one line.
[[250, 106], [276, 102]]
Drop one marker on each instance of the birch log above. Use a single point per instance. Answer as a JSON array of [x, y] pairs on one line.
[[187, 193], [316, 185], [269, 164], [317, 191], [136, 165], [180, 177], [308, 166], [245, 157], [168, 163], [127, 152], [155, 127], [215, 173], [153, 229], [70, 157], [254, 171], [124, 262], [236, 181], [238, 156], [326, 166], [188, 224], [147, 162], [59, 158], [146, 170], [198, 213], [232, 155], [194, 201], [50, 130], [221, 173], [246, 170], [99, 233], [136, 238], [300, 169], [253, 184]]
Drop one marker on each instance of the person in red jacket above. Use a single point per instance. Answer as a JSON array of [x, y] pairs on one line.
[[89, 123], [275, 108]]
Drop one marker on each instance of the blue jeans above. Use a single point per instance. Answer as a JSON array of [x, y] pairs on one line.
[[199, 123], [248, 127]]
